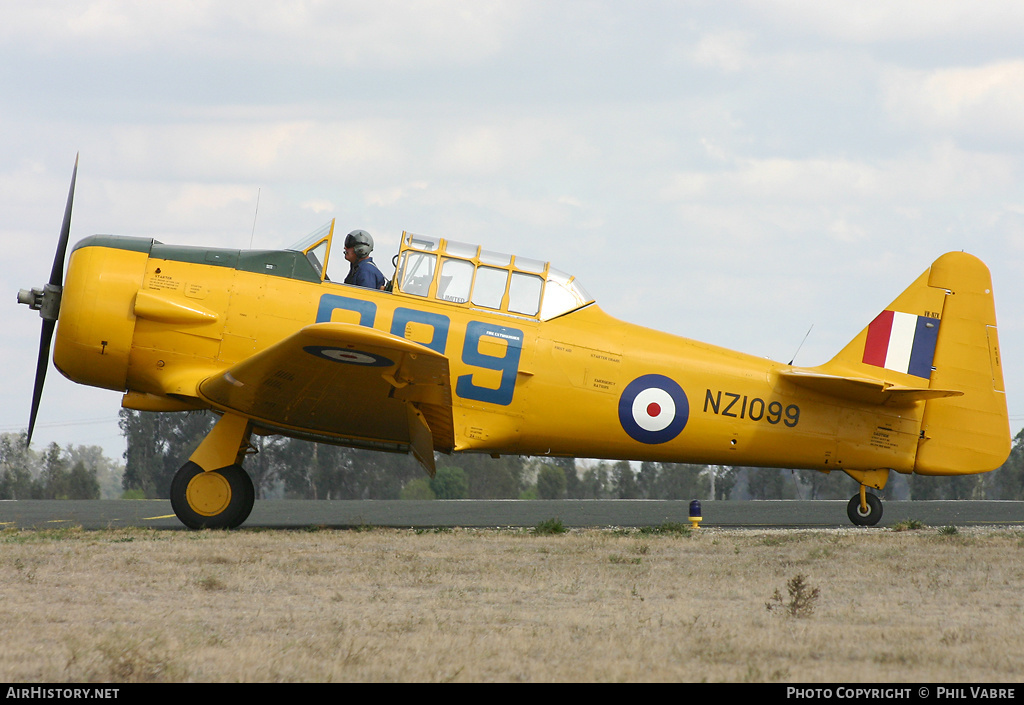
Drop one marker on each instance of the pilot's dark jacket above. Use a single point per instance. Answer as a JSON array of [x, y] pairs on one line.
[[365, 273]]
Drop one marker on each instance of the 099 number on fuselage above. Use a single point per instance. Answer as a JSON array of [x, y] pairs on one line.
[[477, 334]]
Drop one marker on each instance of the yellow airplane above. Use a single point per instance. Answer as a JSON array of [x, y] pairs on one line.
[[468, 350]]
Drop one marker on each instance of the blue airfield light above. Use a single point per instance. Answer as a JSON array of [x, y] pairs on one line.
[[695, 516]]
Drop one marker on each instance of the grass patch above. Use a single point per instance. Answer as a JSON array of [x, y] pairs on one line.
[[670, 528], [507, 605], [549, 527], [117, 657], [210, 583], [14, 535], [908, 525], [616, 559], [802, 598]]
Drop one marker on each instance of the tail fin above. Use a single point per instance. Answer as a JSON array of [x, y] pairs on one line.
[[940, 335], [969, 433]]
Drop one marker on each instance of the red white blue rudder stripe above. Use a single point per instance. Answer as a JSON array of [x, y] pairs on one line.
[[902, 342]]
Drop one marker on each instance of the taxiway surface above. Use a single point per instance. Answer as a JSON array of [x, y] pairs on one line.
[[299, 514]]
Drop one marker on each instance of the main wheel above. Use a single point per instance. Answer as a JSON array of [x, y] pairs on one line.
[[218, 499], [861, 518]]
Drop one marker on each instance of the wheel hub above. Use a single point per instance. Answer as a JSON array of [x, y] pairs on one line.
[[208, 493]]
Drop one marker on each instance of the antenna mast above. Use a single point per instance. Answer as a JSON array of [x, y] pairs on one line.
[[254, 218], [801, 344]]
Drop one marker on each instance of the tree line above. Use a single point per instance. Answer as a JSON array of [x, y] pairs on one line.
[[158, 443], [80, 472]]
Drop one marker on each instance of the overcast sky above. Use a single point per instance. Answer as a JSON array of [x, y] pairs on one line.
[[733, 172]]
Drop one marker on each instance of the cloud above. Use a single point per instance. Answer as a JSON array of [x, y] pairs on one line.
[[386, 33], [896, 21], [216, 150], [943, 172], [728, 51], [982, 103]]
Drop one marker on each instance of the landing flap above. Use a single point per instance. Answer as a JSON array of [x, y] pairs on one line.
[[421, 440]]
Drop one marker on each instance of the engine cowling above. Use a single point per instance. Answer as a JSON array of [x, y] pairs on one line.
[[97, 321]]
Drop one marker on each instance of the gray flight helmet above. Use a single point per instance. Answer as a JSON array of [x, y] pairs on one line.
[[361, 242]]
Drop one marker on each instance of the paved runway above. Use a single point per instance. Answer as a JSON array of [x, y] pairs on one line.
[[296, 514]]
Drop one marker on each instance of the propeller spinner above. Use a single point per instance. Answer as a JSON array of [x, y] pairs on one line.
[[47, 302]]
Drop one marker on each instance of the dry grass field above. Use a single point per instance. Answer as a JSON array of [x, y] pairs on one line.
[[856, 605]]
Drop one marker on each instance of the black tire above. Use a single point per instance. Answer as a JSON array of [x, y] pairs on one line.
[[219, 499], [874, 513]]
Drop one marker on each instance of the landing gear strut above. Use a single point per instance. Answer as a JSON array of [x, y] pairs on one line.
[[211, 490], [866, 509]]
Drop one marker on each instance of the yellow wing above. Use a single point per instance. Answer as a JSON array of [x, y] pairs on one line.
[[344, 383]]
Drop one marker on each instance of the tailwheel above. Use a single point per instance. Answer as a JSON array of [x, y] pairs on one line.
[[217, 499], [857, 513]]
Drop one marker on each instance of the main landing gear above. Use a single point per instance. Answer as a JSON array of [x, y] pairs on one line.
[[215, 499], [211, 490]]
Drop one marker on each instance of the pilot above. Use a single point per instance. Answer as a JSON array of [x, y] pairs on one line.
[[362, 271]]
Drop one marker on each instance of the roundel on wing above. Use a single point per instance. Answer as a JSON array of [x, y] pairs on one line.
[[349, 357], [653, 409]]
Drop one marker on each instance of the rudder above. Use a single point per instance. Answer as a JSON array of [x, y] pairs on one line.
[[970, 433]]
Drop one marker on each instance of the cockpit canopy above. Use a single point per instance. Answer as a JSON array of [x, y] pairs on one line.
[[459, 273], [467, 275], [317, 247]]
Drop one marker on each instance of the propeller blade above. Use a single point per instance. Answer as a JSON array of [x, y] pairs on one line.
[[49, 324], [41, 364], [57, 273]]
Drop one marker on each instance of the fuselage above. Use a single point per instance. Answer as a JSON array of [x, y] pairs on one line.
[[153, 321]]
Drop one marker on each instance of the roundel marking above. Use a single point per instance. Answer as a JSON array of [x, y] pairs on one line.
[[653, 409], [349, 357]]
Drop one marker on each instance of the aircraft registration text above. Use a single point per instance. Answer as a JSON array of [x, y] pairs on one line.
[[756, 409]]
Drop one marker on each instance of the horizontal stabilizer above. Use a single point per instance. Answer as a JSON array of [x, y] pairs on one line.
[[864, 389]]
